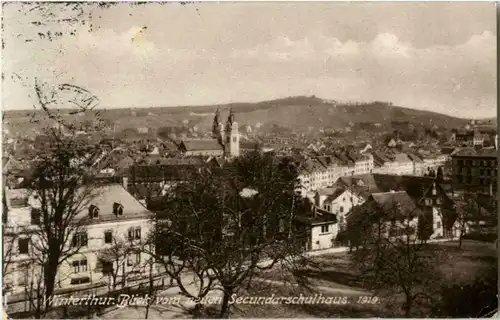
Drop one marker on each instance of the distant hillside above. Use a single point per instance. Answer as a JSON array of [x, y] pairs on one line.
[[298, 113]]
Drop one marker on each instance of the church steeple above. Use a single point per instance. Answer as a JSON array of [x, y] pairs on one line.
[[216, 124], [232, 145]]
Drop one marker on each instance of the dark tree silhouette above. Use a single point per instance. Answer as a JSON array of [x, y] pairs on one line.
[[229, 224], [389, 255], [440, 175], [59, 188]]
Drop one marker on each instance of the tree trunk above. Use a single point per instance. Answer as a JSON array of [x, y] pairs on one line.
[[460, 239], [197, 311], [408, 306], [224, 309], [49, 281], [151, 289]]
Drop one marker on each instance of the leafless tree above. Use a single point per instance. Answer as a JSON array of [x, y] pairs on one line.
[[230, 224], [60, 183], [113, 258], [8, 256], [390, 255]]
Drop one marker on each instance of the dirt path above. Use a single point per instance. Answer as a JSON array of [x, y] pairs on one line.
[[329, 290]]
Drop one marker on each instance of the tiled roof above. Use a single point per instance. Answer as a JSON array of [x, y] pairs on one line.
[[337, 193], [201, 144], [372, 183], [105, 196], [246, 145], [326, 191], [321, 217], [472, 152], [401, 157], [381, 157], [398, 204], [414, 157], [101, 196]]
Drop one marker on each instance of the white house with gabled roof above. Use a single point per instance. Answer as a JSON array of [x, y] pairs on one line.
[[110, 215]]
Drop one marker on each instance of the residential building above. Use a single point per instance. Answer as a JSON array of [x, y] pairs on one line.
[[475, 170], [463, 139], [392, 211], [363, 164], [111, 215], [402, 164], [399, 164], [339, 201], [433, 162], [321, 229], [322, 171], [398, 209], [382, 163], [478, 139]]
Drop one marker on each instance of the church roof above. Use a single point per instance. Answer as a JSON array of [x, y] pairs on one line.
[[201, 144]]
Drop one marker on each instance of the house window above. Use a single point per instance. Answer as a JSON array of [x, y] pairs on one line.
[[133, 259], [341, 209], [438, 201], [80, 266], [117, 209], [438, 224], [325, 229], [235, 139], [23, 245], [138, 233], [107, 267], [36, 216], [108, 237], [93, 212], [80, 239]]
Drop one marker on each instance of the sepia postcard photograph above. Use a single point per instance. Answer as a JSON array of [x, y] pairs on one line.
[[179, 160]]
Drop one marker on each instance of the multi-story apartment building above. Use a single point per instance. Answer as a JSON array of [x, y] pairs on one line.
[[397, 164], [363, 164], [433, 162], [402, 164], [475, 170], [324, 171], [111, 217]]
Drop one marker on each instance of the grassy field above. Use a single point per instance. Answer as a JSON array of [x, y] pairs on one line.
[[333, 272]]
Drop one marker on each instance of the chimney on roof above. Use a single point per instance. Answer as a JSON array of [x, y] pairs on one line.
[[125, 183]]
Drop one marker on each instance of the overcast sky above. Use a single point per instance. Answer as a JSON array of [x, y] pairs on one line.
[[431, 56]]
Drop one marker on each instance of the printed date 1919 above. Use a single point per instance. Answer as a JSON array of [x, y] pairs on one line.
[[368, 300]]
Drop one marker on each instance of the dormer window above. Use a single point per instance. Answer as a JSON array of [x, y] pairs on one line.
[[93, 212], [117, 209]]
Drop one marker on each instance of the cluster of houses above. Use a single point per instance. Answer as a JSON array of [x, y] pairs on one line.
[[339, 187], [323, 171]]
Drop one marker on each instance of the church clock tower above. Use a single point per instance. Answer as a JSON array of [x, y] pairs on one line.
[[232, 145]]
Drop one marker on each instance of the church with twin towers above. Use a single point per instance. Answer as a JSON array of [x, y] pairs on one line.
[[225, 140]]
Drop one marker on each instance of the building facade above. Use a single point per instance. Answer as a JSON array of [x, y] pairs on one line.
[[475, 170], [105, 248]]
